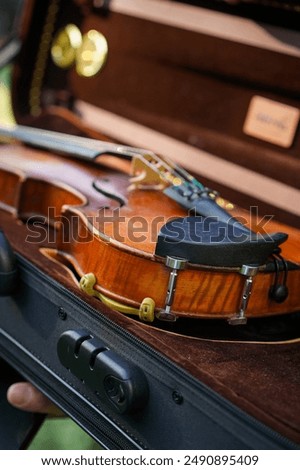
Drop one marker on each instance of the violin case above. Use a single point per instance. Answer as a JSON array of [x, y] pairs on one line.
[[214, 86]]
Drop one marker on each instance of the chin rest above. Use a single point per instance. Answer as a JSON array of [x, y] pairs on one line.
[[208, 241]]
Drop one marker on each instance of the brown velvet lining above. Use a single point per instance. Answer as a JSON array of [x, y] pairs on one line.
[[193, 87]]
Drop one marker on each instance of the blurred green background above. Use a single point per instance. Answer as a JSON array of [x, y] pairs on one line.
[[62, 433], [55, 433]]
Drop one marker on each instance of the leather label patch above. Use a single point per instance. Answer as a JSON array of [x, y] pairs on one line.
[[271, 121]]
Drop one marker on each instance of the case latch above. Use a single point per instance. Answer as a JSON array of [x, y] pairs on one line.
[[113, 379]]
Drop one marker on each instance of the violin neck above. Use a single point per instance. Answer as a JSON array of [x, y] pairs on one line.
[[66, 144]]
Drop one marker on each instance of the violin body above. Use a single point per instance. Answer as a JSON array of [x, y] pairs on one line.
[[89, 218]]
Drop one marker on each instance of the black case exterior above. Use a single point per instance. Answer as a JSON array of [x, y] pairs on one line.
[[17, 427], [180, 412]]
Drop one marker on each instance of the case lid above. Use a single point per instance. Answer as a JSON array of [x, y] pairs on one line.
[[216, 92]]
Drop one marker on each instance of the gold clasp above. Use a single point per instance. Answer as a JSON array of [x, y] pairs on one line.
[[92, 54], [88, 51]]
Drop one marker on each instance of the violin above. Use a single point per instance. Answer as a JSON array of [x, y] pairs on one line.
[[143, 235]]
